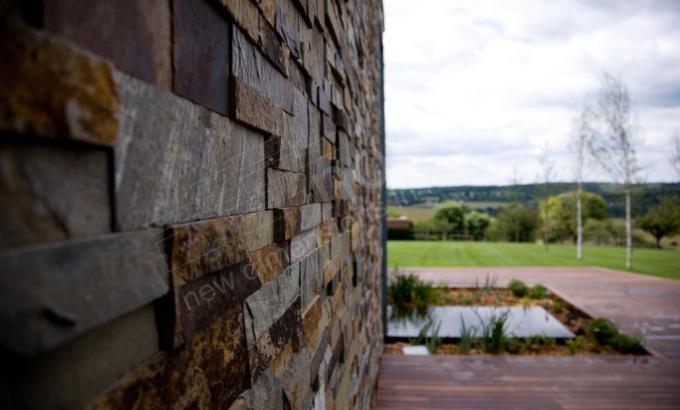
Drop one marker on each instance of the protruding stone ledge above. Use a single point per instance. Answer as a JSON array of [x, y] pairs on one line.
[[52, 293]]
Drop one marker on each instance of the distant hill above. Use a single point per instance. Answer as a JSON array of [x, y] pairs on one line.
[[491, 198]]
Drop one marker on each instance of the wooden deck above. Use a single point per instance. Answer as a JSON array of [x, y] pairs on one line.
[[638, 304], [528, 382]]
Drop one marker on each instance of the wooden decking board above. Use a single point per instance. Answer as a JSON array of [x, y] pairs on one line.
[[635, 302]]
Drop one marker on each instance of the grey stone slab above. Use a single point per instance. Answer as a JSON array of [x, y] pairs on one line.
[[321, 180], [73, 374], [54, 193], [311, 278], [285, 189], [250, 65], [345, 149], [264, 307], [326, 211], [303, 244], [295, 380], [50, 294], [310, 216], [522, 322], [176, 162]]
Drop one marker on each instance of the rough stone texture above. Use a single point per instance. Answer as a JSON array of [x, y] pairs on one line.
[[254, 109], [52, 89], [176, 161], [67, 376], [57, 193], [192, 215], [52, 293], [201, 54], [285, 189], [133, 34]]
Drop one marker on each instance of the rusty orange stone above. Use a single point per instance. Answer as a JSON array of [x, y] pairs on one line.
[[54, 90]]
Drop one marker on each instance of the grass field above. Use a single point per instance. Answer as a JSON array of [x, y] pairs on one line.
[[665, 263]]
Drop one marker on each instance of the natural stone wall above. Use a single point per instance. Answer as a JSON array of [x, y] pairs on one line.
[[191, 203]]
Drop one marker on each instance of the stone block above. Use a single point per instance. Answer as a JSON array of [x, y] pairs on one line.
[[52, 293], [246, 15], [133, 34], [286, 330], [72, 374], [271, 260], [272, 47], [291, 221], [254, 109], [282, 153], [199, 302], [321, 186], [345, 150], [210, 371], [201, 38], [250, 66], [285, 189], [56, 193], [267, 305], [295, 381], [303, 244], [209, 246], [176, 162], [288, 27], [54, 90], [311, 276]]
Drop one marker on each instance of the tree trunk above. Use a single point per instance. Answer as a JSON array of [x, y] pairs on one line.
[[579, 223], [629, 232], [658, 241]]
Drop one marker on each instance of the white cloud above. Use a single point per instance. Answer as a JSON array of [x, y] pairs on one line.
[[474, 89]]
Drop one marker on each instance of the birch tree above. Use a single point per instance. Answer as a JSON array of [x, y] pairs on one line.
[[611, 143], [546, 176], [578, 146]]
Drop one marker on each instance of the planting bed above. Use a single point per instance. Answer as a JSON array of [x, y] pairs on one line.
[[488, 319]]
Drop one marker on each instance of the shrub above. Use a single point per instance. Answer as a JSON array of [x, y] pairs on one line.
[[626, 344], [538, 292], [602, 329], [401, 290], [424, 294], [518, 288]]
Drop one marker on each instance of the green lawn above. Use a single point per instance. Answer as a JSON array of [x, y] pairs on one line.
[[665, 263]]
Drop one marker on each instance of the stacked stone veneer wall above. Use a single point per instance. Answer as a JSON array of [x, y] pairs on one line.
[[190, 203]]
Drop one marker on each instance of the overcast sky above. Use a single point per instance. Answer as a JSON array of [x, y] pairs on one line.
[[475, 89]]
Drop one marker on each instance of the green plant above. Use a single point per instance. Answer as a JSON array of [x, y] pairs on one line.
[[575, 345], [538, 342], [401, 290], [489, 284], [431, 342], [424, 294], [538, 292], [493, 332], [434, 341], [514, 345], [558, 306], [467, 336], [518, 288], [626, 344], [602, 329]]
